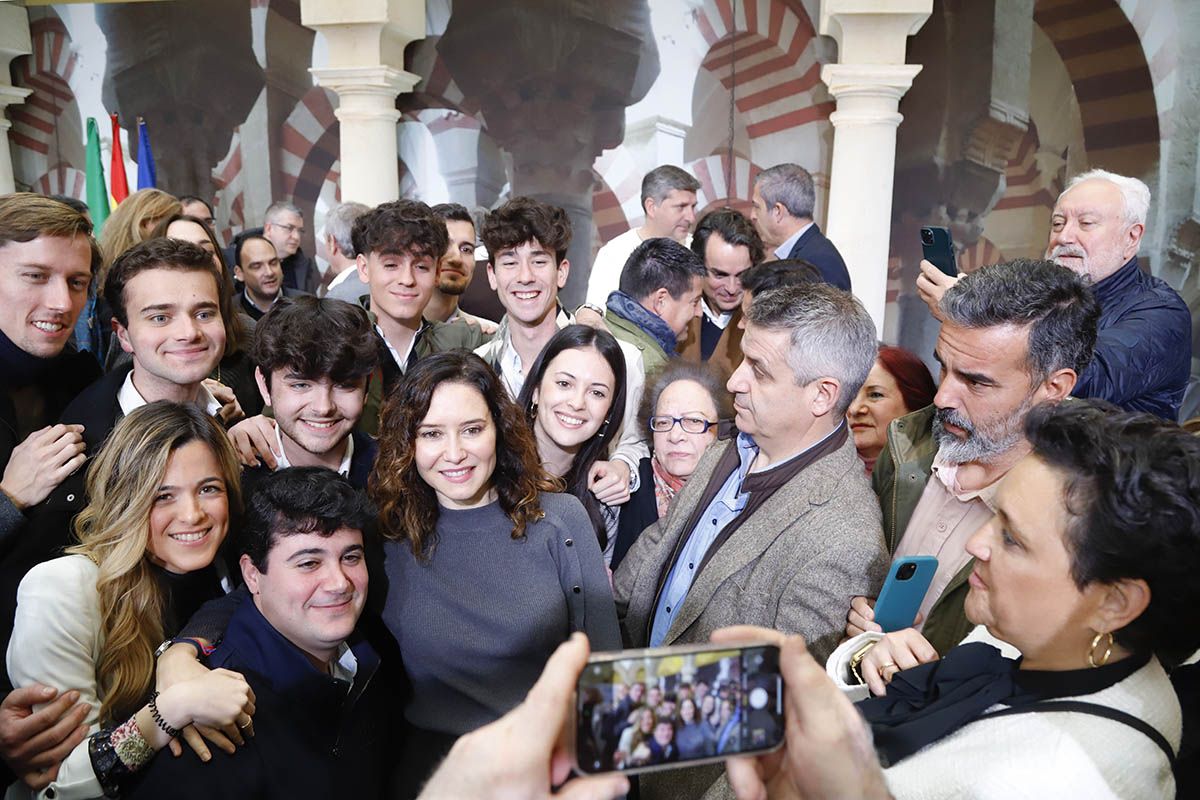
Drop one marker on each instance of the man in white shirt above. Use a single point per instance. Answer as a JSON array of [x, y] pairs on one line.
[[669, 201], [527, 245], [313, 360]]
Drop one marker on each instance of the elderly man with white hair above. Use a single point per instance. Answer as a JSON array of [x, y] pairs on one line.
[[1143, 352]]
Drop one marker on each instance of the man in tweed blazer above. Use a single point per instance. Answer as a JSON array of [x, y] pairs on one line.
[[777, 527]]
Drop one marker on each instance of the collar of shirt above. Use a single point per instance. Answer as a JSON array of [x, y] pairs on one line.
[[512, 371], [281, 459], [784, 249], [128, 398], [748, 450], [947, 474], [402, 363], [250, 300], [720, 320], [345, 666]]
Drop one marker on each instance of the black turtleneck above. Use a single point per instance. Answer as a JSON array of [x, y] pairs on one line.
[[34, 391], [185, 594]]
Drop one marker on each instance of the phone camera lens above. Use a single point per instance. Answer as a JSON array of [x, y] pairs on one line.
[[906, 571], [926, 236]]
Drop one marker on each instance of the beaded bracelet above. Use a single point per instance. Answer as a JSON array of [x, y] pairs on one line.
[[158, 719]]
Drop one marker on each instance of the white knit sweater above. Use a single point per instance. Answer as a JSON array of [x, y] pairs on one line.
[[1048, 755]]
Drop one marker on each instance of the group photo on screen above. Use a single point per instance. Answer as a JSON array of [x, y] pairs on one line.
[[645, 712]]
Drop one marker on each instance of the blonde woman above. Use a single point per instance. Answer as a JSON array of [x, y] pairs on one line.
[[161, 494], [133, 220]]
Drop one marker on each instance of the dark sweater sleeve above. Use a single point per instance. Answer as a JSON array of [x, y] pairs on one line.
[[584, 578], [210, 622], [11, 520]]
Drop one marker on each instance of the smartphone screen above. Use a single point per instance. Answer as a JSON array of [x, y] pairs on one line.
[[640, 710]]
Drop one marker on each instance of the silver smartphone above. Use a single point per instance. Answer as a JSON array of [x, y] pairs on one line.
[[660, 708]]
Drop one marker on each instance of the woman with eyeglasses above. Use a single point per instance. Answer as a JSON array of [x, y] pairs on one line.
[[681, 407]]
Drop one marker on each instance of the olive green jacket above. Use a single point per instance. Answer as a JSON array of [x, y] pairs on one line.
[[653, 356], [901, 471]]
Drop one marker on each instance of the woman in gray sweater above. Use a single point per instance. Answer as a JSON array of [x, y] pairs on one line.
[[488, 569]]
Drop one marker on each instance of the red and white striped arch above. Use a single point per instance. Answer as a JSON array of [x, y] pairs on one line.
[[716, 190], [63, 179], [767, 51], [48, 73]]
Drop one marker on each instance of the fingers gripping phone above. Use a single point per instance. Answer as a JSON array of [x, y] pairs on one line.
[[905, 588], [659, 708], [938, 249]]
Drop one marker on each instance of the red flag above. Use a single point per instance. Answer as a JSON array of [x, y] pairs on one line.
[[119, 186]]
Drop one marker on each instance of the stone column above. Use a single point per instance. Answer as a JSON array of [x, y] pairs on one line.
[[867, 82], [366, 40], [14, 42]]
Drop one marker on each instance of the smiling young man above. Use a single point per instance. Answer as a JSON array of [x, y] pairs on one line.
[[324, 709], [48, 259], [314, 358], [527, 244], [399, 245], [1015, 335], [729, 245]]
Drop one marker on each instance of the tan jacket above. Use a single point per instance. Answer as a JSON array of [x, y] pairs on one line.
[[728, 352]]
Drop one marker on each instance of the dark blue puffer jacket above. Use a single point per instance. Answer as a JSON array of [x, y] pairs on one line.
[[1144, 348]]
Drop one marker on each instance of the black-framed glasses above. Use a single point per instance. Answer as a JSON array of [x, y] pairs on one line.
[[689, 424]]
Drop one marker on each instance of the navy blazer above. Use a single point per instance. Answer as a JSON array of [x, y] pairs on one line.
[[814, 248]]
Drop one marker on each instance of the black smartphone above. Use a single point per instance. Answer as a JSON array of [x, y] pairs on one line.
[[666, 707], [938, 249]]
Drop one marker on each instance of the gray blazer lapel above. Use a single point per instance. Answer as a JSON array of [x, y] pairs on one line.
[[788, 504]]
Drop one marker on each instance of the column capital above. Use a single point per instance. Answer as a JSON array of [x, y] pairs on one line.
[[12, 95], [372, 79], [872, 31], [883, 80]]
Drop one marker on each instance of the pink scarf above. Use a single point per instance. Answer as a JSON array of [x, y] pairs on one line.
[[666, 486]]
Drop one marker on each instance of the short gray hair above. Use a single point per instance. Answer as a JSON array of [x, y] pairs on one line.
[[340, 221], [1134, 193], [832, 335], [281, 207], [789, 184], [661, 181]]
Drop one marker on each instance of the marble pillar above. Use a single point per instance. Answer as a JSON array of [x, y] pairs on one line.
[[867, 82]]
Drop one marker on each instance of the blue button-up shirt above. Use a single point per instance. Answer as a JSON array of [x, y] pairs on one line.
[[728, 503]]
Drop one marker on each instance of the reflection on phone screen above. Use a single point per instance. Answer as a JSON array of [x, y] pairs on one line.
[[648, 711]]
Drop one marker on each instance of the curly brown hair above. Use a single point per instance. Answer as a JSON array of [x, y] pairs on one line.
[[408, 506], [522, 220]]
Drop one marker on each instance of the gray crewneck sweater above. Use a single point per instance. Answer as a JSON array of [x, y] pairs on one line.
[[477, 622]]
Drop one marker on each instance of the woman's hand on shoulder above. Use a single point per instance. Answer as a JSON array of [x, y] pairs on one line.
[[896, 651]]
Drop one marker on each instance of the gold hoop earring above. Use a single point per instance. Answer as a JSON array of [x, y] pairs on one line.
[[1108, 648]]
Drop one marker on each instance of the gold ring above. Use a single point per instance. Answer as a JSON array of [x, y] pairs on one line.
[[883, 668]]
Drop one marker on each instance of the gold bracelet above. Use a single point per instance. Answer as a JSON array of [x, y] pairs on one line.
[[859, 655]]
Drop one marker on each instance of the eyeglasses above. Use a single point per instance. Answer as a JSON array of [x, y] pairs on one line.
[[689, 424], [290, 228]]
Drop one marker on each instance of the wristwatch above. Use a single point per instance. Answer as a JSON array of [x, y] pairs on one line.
[[592, 307]]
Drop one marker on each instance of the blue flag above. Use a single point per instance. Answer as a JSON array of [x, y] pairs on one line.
[[147, 175]]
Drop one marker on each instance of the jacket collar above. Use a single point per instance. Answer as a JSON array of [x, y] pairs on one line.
[[263, 650], [650, 324], [1117, 283]]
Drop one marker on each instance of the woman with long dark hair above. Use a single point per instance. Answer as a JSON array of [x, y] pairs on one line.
[[488, 569], [574, 396]]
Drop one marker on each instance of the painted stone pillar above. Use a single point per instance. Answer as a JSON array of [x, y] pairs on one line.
[[867, 82], [366, 40], [14, 42]]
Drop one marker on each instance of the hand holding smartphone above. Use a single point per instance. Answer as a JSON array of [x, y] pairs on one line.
[[937, 247], [907, 582], [653, 709]]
